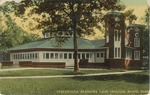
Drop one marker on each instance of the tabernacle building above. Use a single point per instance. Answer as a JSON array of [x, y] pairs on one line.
[[121, 48]]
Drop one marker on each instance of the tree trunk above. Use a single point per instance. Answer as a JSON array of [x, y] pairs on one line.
[[76, 64], [74, 22]]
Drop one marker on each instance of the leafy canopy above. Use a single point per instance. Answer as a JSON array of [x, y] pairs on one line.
[[65, 15], [12, 35]]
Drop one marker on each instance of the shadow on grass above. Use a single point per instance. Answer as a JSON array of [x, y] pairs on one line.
[[139, 78]]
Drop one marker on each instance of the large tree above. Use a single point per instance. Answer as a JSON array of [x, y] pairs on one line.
[[69, 17], [12, 35]]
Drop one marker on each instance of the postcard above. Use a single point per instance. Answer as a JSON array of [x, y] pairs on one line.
[[74, 47]]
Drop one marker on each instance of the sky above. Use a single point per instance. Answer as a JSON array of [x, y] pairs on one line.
[[139, 7]]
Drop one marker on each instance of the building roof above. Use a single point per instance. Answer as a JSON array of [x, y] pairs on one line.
[[51, 43]]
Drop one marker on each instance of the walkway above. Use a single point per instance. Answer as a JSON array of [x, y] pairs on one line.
[[69, 76], [68, 68]]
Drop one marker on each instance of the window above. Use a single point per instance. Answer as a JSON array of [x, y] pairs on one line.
[[116, 31], [70, 56], [60, 55], [87, 55], [26, 56], [91, 55], [20, 56], [30, 55], [79, 57], [136, 42], [137, 55], [23, 56], [13, 56], [65, 55], [56, 55], [43, 55], [16, 56], [47, 55], [117, 35], [97, 55], [117, 52], [52, 55], [83, 55], [128, 53], [36, 55], [102, 55]]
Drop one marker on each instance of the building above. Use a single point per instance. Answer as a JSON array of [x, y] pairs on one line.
[[46, 51], [121, 48]]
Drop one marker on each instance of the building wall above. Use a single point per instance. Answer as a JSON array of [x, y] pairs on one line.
[[57, 56], [124, 63], [24, 56], [133, 33]]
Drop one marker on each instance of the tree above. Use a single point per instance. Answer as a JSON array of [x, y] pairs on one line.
[[130, 16], [145, 33], [12, 35], [81, 16]]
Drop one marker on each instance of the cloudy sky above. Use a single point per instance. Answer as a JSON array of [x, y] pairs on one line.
[[139, 7]]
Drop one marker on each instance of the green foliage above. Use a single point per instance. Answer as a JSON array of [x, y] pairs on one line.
[[79, 15], [130, 16], [146, 17], [13, 35], [144, 36], [9, 6]]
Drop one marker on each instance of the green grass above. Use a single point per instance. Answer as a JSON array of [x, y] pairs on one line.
[[9, 67], [33, 72], [127, 84], [46, 72]]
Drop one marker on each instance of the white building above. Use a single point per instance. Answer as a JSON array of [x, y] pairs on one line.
[[45, 50]]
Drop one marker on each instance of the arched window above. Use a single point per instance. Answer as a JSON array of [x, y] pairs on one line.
[[136, 42], [117, 35]]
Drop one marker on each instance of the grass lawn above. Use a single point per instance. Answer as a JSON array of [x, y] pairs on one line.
[[127, 84], [46, 72]]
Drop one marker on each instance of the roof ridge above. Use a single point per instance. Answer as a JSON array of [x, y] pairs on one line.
[[88, 41], [46, 40]]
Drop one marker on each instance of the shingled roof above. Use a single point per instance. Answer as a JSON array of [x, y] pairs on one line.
[[50, 43]]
